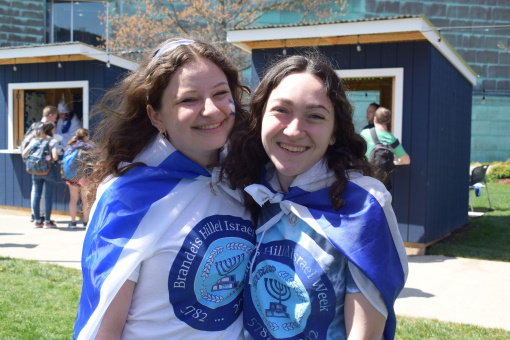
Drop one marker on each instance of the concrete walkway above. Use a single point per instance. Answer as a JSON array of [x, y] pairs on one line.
[[449, 289], [19, 239], [460, 290]]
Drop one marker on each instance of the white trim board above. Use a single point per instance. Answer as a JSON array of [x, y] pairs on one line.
[[66, 49], [359, 28], [83, 84], [327, 30], [398, 90]]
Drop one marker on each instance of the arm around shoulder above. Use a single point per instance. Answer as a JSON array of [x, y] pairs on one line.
[[116, 314]]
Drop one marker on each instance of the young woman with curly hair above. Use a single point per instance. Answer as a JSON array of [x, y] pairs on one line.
[[329, 261], [167, 247]]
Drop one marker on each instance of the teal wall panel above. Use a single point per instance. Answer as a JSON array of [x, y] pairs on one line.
[[490, 139]]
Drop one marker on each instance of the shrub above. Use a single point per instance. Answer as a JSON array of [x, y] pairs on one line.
[[499, 170]]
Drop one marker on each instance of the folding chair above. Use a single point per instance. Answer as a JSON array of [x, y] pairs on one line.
[[477, 178]]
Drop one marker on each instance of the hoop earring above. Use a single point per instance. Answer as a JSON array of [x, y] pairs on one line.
[[163, 134]]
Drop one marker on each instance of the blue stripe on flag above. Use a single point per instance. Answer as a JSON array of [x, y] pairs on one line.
[[361, 232], [116, 218]]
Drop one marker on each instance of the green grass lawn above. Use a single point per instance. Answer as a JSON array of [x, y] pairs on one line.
[[427, 329], [37, 301], [486, 237]]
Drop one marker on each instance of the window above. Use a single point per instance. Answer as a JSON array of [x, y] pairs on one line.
[[26, 100], [75, 21], [387, 84]]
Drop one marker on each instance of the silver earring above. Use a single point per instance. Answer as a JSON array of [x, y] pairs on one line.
[[332, 141]]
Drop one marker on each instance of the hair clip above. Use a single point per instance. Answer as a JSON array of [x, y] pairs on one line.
[[171, 45]]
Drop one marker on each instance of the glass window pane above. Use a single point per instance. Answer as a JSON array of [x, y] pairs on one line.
[[360, 101], [88, 26], [61, 21], [82, 17]]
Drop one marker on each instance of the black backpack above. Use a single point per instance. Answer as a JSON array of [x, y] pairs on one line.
[[382, 158]]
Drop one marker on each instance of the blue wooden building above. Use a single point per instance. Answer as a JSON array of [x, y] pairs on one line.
[[32, 77], [422, 80]]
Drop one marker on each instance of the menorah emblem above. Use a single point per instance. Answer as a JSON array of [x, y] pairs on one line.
[[225, 267], [280, 292]]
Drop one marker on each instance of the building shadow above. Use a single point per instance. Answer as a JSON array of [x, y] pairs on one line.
[[17, 245], [414, 292]]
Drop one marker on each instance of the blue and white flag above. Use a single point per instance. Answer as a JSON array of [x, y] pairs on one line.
[[129, 217], [364, 230]]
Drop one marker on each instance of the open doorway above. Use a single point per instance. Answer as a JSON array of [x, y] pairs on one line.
[[365, 91], [27, 100], [382, 86]]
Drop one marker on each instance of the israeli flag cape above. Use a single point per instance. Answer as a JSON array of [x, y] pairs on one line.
[[364, 230], [129, 215]]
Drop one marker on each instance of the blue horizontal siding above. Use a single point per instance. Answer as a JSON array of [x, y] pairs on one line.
[[15, 182]]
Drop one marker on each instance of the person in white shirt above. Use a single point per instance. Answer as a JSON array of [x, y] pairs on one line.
[[67, 124]]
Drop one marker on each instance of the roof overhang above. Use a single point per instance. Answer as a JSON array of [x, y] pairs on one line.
[[367, 31], [65, 52]]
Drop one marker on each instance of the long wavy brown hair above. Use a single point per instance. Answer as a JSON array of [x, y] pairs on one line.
[[247, 156], [125, 128]]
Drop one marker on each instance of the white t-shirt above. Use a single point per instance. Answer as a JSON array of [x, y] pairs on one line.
[[196, 272], [181, 237], [75, 125]]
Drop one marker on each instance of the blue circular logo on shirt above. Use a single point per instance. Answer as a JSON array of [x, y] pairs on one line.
[[207, 276], [292, 296]]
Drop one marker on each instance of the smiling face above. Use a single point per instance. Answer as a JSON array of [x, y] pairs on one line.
[[297, 126], [196, 111]]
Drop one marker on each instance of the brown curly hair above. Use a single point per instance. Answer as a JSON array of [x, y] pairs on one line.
[[246, 155], [125, 129]]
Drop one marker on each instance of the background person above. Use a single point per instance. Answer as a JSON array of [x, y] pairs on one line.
[[77, 184], [329, 260], [173, 245], [370, 115], [49, 114], [382, 122], [67, 123], [46, 182]]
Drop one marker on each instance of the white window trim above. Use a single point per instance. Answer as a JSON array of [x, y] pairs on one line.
[[398, 90], [83, 84]]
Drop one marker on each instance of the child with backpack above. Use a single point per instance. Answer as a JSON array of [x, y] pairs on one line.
[[73, 164], [40, 155]]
